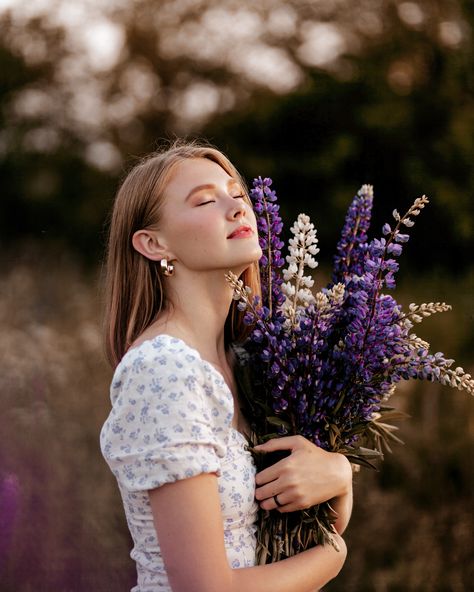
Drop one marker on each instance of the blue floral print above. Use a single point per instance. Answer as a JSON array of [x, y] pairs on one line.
[[171, 419]]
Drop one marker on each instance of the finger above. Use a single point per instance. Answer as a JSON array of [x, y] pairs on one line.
[[285, 506], [268, 490], [270, 503], [271, 473], [283, 443]]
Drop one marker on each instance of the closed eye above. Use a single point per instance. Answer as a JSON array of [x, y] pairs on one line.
[[241, 196]]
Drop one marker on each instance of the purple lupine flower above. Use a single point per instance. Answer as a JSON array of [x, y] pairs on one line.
[[350, 250], [269, 227]]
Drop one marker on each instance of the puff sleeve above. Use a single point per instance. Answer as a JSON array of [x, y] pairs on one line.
[[170, 417]]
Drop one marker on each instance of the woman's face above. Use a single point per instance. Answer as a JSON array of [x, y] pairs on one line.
[[206, 222]]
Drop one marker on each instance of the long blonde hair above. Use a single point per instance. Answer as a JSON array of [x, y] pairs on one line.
[[134, 291]]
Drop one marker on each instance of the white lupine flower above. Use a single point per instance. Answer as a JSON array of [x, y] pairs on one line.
[[389, 393], [321, 301], [305, 296], [332, 298], [418, 312], [288, 289], [301, 248], [236, 284], [337, 293], [292, 269], [307, 281]]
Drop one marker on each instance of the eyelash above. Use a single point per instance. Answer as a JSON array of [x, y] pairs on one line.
[[242, 196]]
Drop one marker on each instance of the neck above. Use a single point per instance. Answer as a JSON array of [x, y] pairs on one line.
[[199, 305]]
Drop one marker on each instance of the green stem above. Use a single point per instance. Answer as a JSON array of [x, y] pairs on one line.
[[270, 259]]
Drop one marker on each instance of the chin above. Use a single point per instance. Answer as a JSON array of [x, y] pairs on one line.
[[257, 254], [239, 269]]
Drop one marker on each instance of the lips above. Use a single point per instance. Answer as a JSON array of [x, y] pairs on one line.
[[241, 232]]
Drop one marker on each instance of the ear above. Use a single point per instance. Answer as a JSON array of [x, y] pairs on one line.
[[148, 244]]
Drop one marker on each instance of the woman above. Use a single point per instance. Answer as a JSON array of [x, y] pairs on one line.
[[175, 438]]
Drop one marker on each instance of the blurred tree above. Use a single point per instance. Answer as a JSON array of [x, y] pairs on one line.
[[321, 96], [49, 192], [403, 119]]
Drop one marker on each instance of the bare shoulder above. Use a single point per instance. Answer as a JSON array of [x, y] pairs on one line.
[[152, 332], [143, 338]]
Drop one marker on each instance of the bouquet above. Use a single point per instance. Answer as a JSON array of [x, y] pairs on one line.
[[324, 365]]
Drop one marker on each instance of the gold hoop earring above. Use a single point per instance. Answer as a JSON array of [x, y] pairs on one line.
[[167, 268]]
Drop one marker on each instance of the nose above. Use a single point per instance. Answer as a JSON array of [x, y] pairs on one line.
[[237, 209]]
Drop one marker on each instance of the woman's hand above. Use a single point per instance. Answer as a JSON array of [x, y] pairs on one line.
[[309, 476]]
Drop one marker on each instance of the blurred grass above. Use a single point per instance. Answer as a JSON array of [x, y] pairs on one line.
[[412, 524], [69, 533]]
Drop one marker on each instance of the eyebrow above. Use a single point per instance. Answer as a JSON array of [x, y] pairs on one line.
[[231, 181]]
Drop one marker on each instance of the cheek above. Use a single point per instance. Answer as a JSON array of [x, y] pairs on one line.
[[196, 235], [205, 226], [251, 215]]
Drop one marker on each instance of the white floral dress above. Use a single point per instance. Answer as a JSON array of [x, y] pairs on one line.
[[171, 419]]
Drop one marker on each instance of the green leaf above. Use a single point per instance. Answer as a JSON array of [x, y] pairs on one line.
[[367, 452], [393, 414], [277, 421], [361, 461]]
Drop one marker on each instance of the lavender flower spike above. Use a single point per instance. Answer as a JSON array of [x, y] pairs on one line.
[[351, 248], [269, 227]]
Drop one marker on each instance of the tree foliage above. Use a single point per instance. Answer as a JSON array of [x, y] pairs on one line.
[[321, 96]]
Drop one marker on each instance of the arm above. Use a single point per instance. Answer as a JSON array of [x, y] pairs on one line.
[[189, 526], [342, 504], [309, 476]]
